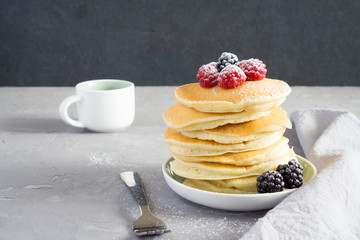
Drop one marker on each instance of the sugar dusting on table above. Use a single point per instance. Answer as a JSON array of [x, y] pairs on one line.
[[102, 159], [185, 219]]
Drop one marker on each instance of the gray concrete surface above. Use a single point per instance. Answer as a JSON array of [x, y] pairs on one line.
[[60, 182]]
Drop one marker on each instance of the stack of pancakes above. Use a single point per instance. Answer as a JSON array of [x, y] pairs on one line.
[[223, 139]]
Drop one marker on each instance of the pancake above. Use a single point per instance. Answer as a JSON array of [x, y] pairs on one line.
[[209, 186], [218, 171], [234, 139], [183, 145], [247, 183], [247, 158], [277, 120], [250, 96], [184, 118]]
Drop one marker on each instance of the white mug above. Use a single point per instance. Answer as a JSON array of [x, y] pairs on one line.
[[105, 105]]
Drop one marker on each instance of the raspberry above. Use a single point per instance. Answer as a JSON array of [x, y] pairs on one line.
[[292, 174], [226, 59], [254, 69], [231, 77], [208, 75], [270, 181]]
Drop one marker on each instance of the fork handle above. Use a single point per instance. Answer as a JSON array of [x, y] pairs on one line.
[[133, 182]]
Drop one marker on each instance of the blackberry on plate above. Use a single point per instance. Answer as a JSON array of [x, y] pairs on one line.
[[270, 181], [226, 59], [292, 174]]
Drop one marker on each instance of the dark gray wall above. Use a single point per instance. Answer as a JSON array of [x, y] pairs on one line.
[[60, 43]]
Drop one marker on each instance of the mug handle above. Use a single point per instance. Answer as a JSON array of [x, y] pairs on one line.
[[63, 111]]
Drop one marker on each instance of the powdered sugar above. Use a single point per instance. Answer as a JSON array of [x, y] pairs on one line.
[[102, 159], [185, 219]]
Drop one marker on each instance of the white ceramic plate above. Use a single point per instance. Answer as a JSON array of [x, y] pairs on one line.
[[232, 202]]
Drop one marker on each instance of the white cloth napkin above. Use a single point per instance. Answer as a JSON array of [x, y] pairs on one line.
[[329, 206]]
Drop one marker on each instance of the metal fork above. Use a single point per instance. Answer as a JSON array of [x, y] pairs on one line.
[[147, 224]]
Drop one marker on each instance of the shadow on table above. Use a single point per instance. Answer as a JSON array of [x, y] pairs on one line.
[[38, 125], [294, 141]]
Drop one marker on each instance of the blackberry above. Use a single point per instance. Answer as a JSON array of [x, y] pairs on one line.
[[292, 174], [226, 59], [270, 181]]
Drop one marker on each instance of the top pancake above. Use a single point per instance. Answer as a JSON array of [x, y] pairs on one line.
[[248, 96]]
